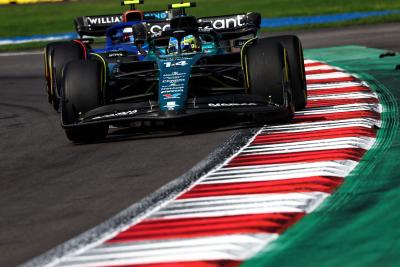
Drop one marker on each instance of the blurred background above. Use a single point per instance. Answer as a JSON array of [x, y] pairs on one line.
[[24, 18]]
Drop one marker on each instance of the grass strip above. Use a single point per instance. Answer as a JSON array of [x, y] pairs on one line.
[[25, 20]]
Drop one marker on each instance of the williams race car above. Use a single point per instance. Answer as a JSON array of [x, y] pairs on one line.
[[192, 68], [117, 28]]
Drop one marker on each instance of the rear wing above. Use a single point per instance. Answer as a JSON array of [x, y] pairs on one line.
[[229, 25], [232, 22], [158, 21], [97, 25]]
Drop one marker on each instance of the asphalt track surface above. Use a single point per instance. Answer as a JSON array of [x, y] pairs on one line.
[[52, 190]]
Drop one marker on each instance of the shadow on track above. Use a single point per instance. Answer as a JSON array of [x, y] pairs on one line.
[[145, 131]]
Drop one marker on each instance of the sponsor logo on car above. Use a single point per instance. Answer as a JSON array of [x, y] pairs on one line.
[[172, 83], [157, 29], [225, 23], [217, 23], [171, 105], [113, 54], [172, 96], [116, 114], [218, 105], [104, 20], [170, 64], [156, 15]]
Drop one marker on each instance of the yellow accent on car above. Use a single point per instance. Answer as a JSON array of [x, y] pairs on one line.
[[246, 74], [46, 71], [104, 71], [51, 78], [132, 2], [286, 65], [244, 62], [183, 5]]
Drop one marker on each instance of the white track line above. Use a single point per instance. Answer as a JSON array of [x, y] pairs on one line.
[[13, 54], [240, 205], [232, 247]]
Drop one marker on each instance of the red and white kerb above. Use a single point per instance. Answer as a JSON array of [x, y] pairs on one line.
[[281, 175]]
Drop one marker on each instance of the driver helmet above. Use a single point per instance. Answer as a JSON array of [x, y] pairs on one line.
[[190, 44], [127, 35], [173, 46]]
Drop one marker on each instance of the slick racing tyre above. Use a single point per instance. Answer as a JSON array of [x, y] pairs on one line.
[[60, 55], [48, 69], [268, 75], [83, 91], [297, 71]]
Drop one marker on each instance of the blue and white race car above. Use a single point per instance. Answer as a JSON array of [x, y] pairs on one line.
[[117, 28]]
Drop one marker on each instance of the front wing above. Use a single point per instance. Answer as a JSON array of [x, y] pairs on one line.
[[128, 113]]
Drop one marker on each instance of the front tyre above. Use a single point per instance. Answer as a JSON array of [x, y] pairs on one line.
[[268, 75], [83, 90], [59, 55], [49, 72], [294, 50]]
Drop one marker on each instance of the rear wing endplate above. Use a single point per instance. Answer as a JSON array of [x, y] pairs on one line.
[[228, 24], [97, 25]]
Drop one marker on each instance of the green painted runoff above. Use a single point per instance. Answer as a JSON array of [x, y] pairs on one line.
[[358, 226]]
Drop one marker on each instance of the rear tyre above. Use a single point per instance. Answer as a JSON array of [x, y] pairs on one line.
[[60, 55], [48, 69], [297, 71], [80, 96], [268, 76]]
